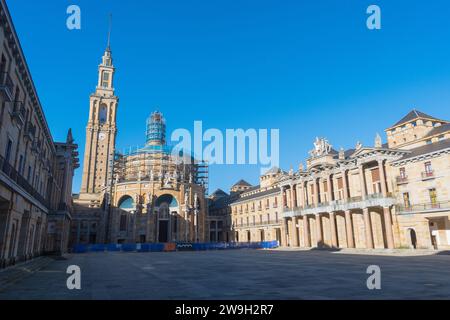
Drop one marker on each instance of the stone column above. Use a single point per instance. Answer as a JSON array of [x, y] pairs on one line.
[[330, 189], [316, 192], [285, 233], [333, 229], [282, 197], [345, 185], [302, 195], [292, 197], [294, 233], [362, 180], [368, 229], [306, 231], [388, 227], [349, 229], [196, 225], [319, 230], [186, 224], [382, 178]]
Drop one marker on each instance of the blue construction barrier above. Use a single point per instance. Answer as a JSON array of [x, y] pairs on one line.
[[97, 248], [114, 247], [80, 248], [129, 247], [162, 247]]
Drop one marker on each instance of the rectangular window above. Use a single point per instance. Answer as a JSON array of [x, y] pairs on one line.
[[433, 197], [428, 168], [20, 164], [406, 201], [402, 173], [8, 151]]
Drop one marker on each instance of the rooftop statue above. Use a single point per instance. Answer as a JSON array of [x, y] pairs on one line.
[[321, 147]]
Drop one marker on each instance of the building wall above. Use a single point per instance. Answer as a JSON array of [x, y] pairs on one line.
[[31, 179]]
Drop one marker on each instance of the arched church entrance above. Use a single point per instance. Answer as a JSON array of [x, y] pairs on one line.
[[166, 225]]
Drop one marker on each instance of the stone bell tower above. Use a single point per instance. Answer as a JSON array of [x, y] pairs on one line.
[[101, 130]]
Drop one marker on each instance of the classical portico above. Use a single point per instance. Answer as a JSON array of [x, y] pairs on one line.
[[341, 200]]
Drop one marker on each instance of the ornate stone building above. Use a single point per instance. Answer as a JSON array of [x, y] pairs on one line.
[[387, 196], [149, 195], [35, 172], [422, 180], [258, 215]]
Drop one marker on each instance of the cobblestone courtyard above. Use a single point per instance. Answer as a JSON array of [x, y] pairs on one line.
[[243, 274]]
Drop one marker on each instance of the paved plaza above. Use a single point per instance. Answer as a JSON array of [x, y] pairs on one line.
[[240, 274]]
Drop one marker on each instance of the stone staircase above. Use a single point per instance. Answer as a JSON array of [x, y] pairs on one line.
[[16, 273]]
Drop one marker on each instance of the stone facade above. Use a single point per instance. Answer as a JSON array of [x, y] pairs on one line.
[[257, 214], [147, 195], [35, 172], [387, 196]]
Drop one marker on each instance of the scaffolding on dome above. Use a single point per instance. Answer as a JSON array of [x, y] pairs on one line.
[[156, 129], [153, 163], [156, 161]]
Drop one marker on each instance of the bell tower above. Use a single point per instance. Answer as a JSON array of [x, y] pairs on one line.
[[101, 130]]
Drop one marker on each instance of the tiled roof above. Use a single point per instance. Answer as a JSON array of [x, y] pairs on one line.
[[219, 193], [222, 202], [429, 148], [242, 183], [414, 114], [438, 130]]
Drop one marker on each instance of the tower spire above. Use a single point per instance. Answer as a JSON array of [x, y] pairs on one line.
[[109, 32]]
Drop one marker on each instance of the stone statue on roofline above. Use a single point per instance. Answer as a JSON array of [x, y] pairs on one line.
[[378, 141], [358, 145], [301, 168], [341, 154], [321, 147]]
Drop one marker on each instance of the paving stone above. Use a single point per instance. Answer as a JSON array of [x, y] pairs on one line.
[[241, 274]]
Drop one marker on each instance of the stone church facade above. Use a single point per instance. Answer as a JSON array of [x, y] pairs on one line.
[[148, 195]]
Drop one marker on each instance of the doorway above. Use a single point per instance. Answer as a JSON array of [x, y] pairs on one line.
[[278, 235], [413, 238], [163, 231]]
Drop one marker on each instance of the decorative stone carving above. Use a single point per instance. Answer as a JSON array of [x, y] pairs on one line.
[[341, 154], [167, 181], [152, 175], [378, 141], [358, 146], [186, 199], [321, 147]]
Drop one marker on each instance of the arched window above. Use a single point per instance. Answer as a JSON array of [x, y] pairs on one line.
[[126, 203], [168, 199], [103, 114]]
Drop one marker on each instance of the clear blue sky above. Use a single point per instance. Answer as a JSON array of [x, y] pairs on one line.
[[308, 67]]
